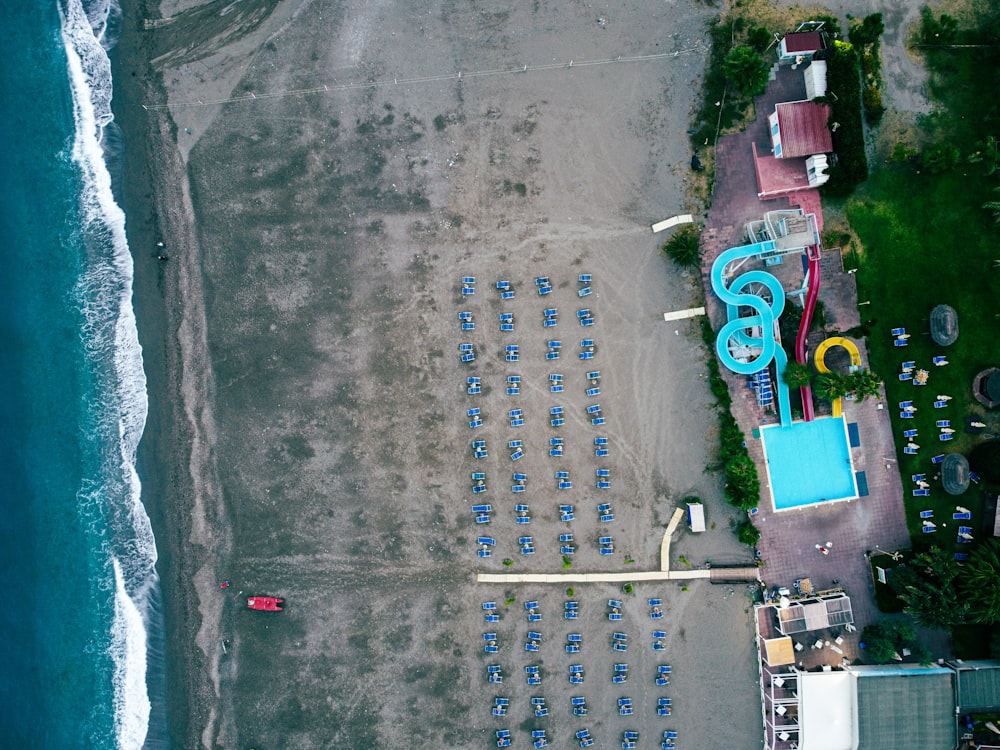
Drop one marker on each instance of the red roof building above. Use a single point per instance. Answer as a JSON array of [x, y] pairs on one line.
[[800, 129], [803, 44]]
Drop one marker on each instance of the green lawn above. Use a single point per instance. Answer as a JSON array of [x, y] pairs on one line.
[[926, 241]]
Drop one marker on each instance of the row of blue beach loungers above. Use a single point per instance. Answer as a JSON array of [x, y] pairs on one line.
[[629, 736], [760, 382]]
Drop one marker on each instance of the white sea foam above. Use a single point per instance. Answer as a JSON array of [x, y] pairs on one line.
[[104, 294]]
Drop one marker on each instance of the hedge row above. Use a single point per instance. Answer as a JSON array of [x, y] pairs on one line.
[[843, 85]]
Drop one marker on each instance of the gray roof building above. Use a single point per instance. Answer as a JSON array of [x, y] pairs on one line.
[[901, 707]]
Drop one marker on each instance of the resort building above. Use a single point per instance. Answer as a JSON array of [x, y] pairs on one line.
[[800, 46]]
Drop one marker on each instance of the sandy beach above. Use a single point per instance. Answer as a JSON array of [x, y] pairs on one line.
[[308, 435]]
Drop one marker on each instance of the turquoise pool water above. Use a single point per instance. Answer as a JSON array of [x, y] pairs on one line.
[[808, 463]]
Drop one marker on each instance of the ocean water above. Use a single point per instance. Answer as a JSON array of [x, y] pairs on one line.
[[77, 553]]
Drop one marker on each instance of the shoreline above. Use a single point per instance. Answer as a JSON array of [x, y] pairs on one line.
[[151, 173]]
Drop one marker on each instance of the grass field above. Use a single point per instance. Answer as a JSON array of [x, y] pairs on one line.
[[927, 240]]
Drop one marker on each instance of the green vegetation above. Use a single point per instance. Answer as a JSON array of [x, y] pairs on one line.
[[747, 533], [747, 70], [843, 94], [742, 487], [684, 248], [923, 229], [570, 591], [885, 642], [796, 375], [865, 35], [832, 385], [628, 588], [567, 563]]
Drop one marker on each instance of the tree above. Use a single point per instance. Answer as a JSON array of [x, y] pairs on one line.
[[796, 375], [994, 206], [684, 248], [747, 69], [867, 31], [980, 582], [885, 641], [929, 588], [742, 483], [747, 533], [830, 386], [865, 383]]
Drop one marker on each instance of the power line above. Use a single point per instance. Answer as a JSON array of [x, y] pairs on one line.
[[461, 75]]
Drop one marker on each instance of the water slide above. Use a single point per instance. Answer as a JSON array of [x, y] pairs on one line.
[[738, 331], [800, 339]]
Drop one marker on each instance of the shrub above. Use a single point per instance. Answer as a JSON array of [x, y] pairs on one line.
[[747, 69], [939, 158], [684, 248], [872, 100], [747, 533], [844, 87], [867, 31]]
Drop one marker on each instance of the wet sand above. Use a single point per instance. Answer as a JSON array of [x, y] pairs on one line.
[[308, 435]]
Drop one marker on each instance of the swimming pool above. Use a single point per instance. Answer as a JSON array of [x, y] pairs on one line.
[[808, 463]]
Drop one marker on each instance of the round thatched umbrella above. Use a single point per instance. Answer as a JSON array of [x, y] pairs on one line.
[[944, 325], [955, 474], [986, 387]]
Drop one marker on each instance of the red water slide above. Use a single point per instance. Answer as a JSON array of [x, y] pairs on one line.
[[807, 316]]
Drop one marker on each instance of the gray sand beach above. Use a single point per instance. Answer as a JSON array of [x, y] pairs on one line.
[[311, 434]]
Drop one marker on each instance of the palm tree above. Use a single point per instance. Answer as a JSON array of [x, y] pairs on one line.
[[980, 582], [796, 375], [830, 386], [928, 586], [684, 248], [865, 383], [994, 206]]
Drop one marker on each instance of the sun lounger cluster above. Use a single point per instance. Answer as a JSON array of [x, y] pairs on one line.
[[614, 610], [594, 412], [629, 738], [527, 545], [620, 674], [587, 349], [663, 707], [533, 674], [574, 641], [533, 641], [512, 353], [575, 674], [579, 705], [494, 674], [607, 545], [506, 290], [513, 385], [482, 514], [659, 636], [563, 481], [625, 707], [900, 337], [520, 481], [603, 479], [604, 512], [585, 316], [478, 482], [475, 418], [490, 640], [619, 641], [584, 737], [517, 449], [556, 418], [544, 285], [531, 609], [656, 609], [566, 545], [465, 318], [760, 382], [663, 675], [503, 738], [516, 417], [468, 286], [555, 382], [538, 735], [500, 706], [522, 513], [585, 288], [556, 447], [601, 447], [506, 322], [479, 449], [490, 608], [965, 534], [566, 513], [553, 353], [467, 352], [475, 385], [571, 610], [668, 739]]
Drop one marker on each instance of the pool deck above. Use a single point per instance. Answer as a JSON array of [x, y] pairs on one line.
[[874, 522]]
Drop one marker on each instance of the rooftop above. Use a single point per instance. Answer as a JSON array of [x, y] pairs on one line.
[[804, 128], [978, 685], [906, 707], [807, 41]]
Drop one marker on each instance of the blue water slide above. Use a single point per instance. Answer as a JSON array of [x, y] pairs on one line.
[[738, 330]]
